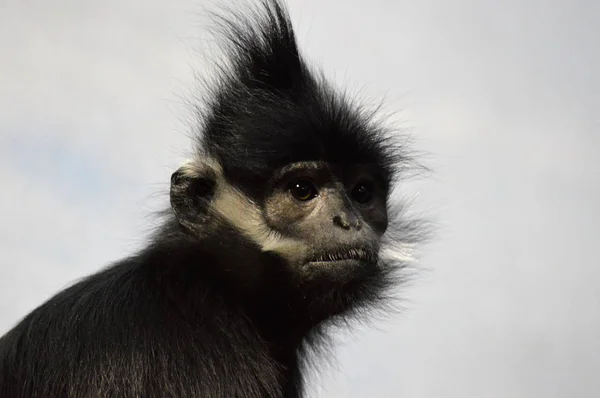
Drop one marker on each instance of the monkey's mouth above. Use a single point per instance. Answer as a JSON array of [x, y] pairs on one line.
[[352, 254]]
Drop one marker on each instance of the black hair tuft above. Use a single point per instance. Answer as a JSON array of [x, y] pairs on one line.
[[268, 109]]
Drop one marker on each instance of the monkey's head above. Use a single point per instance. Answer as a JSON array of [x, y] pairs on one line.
[[293, 167]]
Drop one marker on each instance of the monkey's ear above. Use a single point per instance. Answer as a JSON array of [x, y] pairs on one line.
[[191, 193]]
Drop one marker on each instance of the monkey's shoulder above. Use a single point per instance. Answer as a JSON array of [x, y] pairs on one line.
[[122, 331]]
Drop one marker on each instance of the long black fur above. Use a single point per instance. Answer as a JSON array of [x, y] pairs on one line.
[[183, 317], [267, 108]]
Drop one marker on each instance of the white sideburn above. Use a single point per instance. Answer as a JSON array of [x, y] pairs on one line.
[[241, 212]]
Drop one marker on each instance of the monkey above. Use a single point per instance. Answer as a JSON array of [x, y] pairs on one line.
[[282, 225]]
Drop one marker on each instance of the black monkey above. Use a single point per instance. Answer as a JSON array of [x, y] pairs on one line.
[[280, 226]]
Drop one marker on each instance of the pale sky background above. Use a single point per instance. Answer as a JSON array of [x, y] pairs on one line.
[[505, 95]]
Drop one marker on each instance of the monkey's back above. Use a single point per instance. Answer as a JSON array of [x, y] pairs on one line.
[[118, 333]]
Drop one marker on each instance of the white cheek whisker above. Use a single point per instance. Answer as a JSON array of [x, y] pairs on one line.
[[244, 214]]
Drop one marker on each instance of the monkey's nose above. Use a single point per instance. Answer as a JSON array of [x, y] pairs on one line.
[[347, 222]]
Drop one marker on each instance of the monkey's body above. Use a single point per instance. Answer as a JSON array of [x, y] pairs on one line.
[[279, 226], [123, 333]]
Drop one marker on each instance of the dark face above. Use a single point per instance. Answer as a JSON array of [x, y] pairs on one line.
[[338, 213]]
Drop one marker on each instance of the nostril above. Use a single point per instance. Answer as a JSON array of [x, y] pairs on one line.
[[341, 222], [347, 223]]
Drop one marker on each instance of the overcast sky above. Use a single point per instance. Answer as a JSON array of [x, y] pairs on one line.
[[504, 95]]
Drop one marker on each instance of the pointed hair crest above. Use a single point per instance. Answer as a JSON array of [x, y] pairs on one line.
[[267, 109]]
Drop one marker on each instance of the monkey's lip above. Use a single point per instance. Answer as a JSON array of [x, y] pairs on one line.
[[356, 254]]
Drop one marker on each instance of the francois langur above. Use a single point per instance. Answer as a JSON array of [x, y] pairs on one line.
[[280, 226]]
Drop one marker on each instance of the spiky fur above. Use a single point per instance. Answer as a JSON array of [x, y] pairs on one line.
[[267, 108]]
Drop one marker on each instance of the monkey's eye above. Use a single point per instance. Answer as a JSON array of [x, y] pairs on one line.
[[362, 192], [303, 190]]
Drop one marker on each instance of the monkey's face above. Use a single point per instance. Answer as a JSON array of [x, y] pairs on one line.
[[324, 220], [334, 216]]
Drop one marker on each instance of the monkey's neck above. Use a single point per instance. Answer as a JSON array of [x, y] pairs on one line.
[[258, 311], [235, 274]]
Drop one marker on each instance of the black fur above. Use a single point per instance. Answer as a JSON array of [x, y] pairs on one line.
[[268, 108], [185, 317]]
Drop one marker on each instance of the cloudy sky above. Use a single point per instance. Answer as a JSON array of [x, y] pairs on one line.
[[504, 96]]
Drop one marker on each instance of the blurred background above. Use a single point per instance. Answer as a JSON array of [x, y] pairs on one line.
[[503, 96]]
